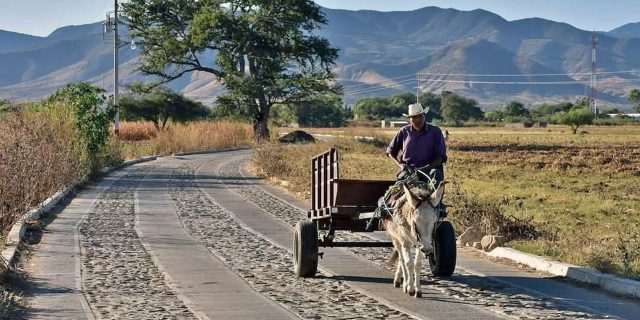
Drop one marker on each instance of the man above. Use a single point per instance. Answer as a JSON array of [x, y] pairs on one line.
[[421, 144]]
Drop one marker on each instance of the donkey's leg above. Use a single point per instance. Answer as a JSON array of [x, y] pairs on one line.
[[408, 268], [399, 275], [417, 268]]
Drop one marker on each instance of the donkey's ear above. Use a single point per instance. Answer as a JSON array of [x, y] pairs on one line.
[[436, 196], [407, 194]]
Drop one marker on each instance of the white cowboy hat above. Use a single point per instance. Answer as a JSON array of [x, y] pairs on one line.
[[415, 109]]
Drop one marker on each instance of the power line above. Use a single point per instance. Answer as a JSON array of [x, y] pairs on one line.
[[379, 88], [526, 74], [472, 82], [378, 82]]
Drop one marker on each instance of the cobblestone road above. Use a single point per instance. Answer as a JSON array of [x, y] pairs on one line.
[[121, 280]]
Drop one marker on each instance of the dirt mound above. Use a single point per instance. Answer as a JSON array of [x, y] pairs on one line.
[[297, 136]]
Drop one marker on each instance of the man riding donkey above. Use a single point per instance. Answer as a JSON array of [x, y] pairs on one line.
[[413, 205]]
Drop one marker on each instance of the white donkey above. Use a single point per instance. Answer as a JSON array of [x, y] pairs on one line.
[[412, 227]]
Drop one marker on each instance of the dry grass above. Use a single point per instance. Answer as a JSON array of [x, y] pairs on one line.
[[39, 155], [575, 198], [141, 138], [137, 131]]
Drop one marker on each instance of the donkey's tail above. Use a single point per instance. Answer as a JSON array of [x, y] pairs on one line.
[[393, 259]]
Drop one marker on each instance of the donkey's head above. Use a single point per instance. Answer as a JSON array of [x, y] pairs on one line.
[[424, 214]]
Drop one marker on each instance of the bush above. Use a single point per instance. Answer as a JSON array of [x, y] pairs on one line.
[[616, 121], [92, 118], [41, 152], [575, 118]]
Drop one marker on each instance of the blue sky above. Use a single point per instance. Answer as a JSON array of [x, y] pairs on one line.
[[41, 17]]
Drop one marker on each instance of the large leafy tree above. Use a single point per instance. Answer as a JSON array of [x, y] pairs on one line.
[[460, 109], [264, 51], [516, 109]]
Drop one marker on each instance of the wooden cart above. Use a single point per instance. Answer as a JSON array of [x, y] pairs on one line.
[[349, 205]]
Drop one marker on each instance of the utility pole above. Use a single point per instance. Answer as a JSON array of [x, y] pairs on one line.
[[418, 89], [116, 46], [594, 104]]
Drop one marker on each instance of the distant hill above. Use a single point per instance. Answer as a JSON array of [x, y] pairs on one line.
[[380, 53], [629, 30], [13, 41]]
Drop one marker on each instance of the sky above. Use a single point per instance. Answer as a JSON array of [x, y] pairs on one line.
[[41, 17]]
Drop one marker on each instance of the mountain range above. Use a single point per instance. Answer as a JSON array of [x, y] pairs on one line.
[[474, 53]]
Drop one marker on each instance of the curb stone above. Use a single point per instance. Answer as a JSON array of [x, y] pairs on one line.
[[607, 282], [17, 232], [188, 153]]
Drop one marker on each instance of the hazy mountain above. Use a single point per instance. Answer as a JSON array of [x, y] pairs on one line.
[[629, 30], [13, 41], [380, 53]]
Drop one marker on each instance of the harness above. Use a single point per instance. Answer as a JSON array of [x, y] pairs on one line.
[[410, 181]]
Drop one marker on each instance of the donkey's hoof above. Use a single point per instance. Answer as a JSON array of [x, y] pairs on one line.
[[418, 294], [397, 284], [412, 293]]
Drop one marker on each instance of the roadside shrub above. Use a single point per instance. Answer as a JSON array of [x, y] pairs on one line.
[[40, 153], [92, 118], [468, 211]]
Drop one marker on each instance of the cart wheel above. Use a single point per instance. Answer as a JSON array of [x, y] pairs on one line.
[[442, 261], [305, 249]]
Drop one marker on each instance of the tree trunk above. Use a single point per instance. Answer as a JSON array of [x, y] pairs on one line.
[[574, 129], [261, 122], [260, 130]]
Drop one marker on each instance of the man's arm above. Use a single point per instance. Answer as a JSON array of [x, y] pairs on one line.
[[395, 146]]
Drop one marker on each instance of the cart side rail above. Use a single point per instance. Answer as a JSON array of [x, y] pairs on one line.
[[324, 169]]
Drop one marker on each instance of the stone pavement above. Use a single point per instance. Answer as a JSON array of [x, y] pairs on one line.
[[55, 269], [209, 287]]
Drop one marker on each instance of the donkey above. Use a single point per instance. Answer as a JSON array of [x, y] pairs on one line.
[[411, 227]]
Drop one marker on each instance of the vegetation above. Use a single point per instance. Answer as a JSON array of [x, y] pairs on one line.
[[92, 117], [569, 197], [575, 118], [142, 139], [321, 112], [160, 105], [634, 98], [265, 54], [50, 145], [379, 108], [459, 109]]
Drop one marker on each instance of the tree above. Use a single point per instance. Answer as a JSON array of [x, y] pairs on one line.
[[326, 112], [92, 113], [494, 116], [377, 108], [634, 98], [434, 103], [575, 117], [459, 109], [264, 51], [516, 109], [160, 105], [281, 115]]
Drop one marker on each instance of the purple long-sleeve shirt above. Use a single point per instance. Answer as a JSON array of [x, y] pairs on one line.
[[420, 148]]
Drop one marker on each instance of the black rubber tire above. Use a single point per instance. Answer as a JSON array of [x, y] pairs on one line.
[[442, 261], [305, 249]]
